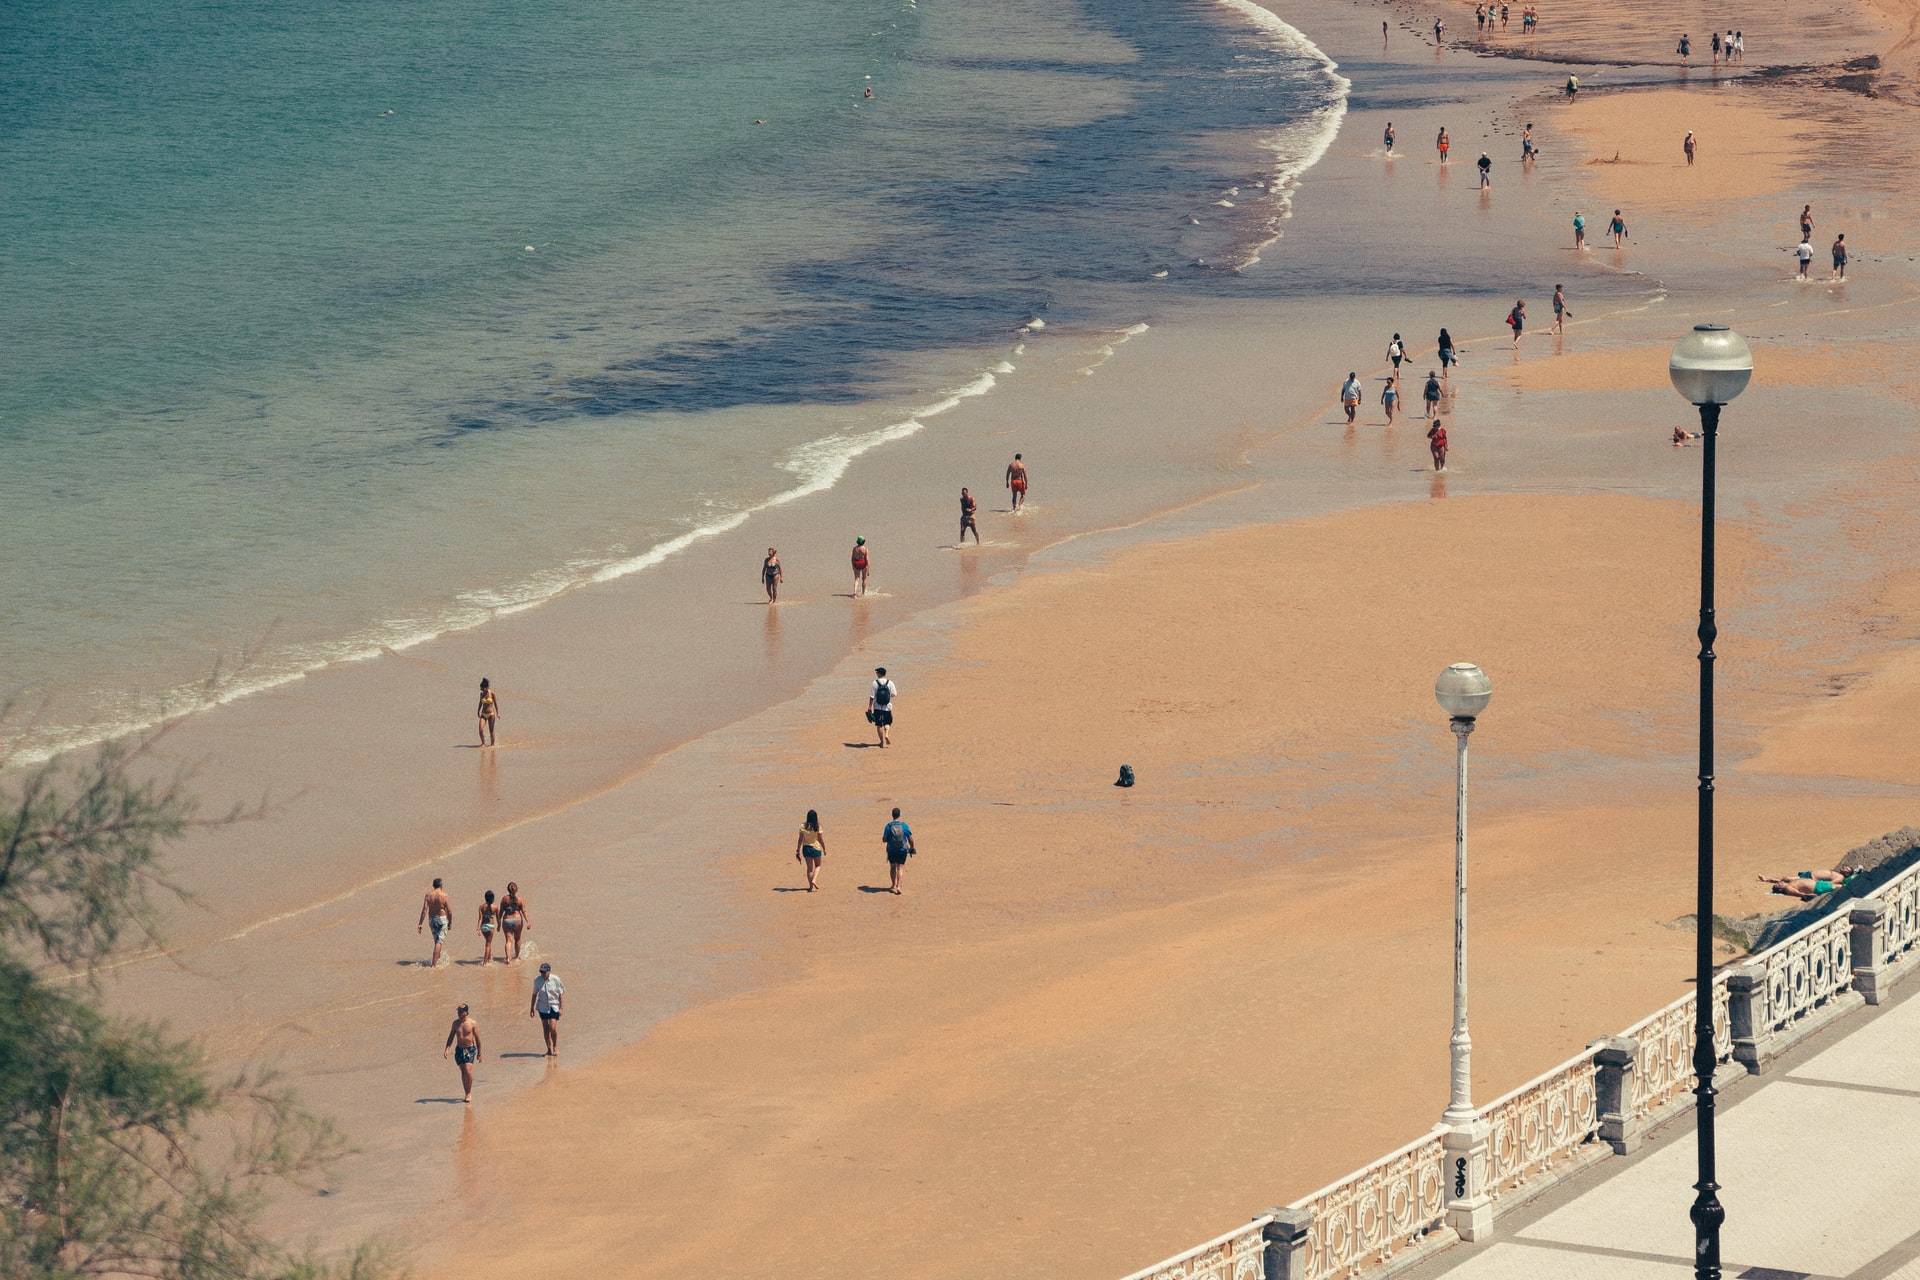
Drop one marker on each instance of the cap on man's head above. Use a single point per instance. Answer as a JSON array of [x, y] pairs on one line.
[[879, 671], [545, 967], [461, 1009], [436, 882]]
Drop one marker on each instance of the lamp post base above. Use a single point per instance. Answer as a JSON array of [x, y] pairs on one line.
[[1469, 1203]]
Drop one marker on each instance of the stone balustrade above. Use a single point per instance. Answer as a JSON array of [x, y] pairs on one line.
[[1597, 1104]]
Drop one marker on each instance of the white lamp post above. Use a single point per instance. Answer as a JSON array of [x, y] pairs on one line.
[[1710, 366], [1463, 691]]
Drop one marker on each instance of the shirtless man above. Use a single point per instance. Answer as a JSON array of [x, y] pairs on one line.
[[968, 506], [1810, 884], [436, 909], [463, 1042], [859, 567], [1016, 482]]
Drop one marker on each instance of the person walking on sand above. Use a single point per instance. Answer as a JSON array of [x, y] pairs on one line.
[[1840, 257], [1517, 318], [967, 507], [1684, 49], [897, 836], [1390, 396], [1579, 230], [1447, 354], [1526, 143], [1387, 137], [1350, 391], [549, 1000], [1486, 171], [810, 848], [489, 922], [771, 574], [1017, 482], [1617, 229], [1716, 47], [1560, 312], [489, 713], [1443, 144], [880, 700], [1804, 252], [436, 909], [1505, 12], [859, 567], [1396, 352], [1437, 442], [1439, 32], [1573, 87], [1431, 395], [1806, 222], [463, 1042], [514, 921], [1689, 146]]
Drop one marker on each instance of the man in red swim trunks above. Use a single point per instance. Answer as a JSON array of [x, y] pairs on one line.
[[1017, 481], [1437, 437]]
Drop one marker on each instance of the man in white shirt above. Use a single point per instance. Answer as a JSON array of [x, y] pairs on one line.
[[1805, 253], [880, 704], [1350, 395], [549, 998]]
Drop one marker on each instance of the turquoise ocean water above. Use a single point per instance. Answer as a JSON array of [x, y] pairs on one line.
[[334, 327]]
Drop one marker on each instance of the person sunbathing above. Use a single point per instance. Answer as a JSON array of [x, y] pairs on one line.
[[1810, 884]]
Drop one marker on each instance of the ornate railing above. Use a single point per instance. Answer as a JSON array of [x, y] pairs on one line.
[[1363, 1220], [1806, 971], [1237, 1255], [1542, 1122], [1360, 1220]]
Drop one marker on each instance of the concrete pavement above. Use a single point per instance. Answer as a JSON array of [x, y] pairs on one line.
[[1819, 1165]]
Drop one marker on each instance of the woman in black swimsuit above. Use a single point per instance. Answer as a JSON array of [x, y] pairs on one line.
[[514, 920], [770, 575]]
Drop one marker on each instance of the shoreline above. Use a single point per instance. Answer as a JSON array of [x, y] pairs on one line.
[[1261, 470]]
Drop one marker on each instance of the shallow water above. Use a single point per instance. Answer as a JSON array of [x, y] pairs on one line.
[[336, 329]]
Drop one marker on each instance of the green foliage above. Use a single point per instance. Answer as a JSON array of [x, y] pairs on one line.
[[119, 1154]]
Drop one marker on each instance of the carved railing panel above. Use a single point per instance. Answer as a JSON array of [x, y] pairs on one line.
[[1359, 1221], [1665, 1068], [1238, 1255], [1900, 931], [1806, 971], [1540, 1123]]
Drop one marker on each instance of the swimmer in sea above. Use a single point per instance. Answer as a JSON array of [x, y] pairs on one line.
[[1016, 483], [859, 567], [1682, 436], [968, 505], [489, 921], [489, 712], [869, 91], [771, 575], [463, 1042], [514, 920]]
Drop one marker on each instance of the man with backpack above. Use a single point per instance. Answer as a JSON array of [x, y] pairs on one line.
[[880, 705], [898, 837]]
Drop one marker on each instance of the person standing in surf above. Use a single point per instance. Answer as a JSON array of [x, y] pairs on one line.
[[771, 574], [859, 567], [489, 921], [1431, 395], [1350, 392], [489, 712], [1390, 396], [436, 909], [1016, 483], [1517, 318], [968, 506], [1437, 441], [1387, 137], [514, 921], [1560, 312], [1443, 144]]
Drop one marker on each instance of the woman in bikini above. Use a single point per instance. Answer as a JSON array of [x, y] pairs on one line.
[[489, 921], [514, 921], [489, 713], [810, 848], [770, 575]]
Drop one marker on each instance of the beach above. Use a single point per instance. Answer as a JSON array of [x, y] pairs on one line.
[[1103, 1024]]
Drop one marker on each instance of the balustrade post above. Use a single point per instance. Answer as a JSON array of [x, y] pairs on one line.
[[1287, 1237], [1867, 947], [1749, 1018], [1616, 1062]]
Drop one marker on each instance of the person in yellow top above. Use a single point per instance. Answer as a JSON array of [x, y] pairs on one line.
[[810, 848], [489, 713]]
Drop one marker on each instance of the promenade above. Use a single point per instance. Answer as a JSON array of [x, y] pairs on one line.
[[1818, 1159]]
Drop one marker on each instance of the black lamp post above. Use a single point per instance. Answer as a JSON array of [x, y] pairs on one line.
[[1710, 366]]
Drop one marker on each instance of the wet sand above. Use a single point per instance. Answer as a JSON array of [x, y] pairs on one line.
[[1103, 1025]]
